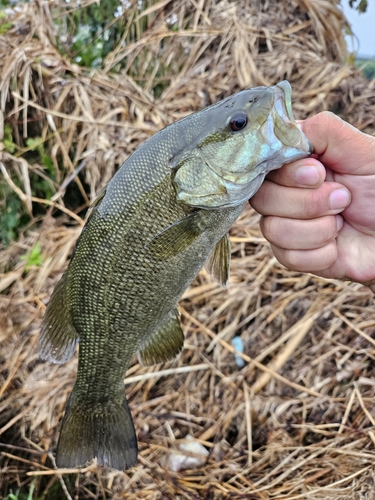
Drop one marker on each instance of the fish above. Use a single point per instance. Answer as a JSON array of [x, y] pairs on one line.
[[164, 215]]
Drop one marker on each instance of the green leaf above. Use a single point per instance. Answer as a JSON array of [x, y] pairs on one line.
[[34, 257], [10, 215], [47, 162], [8, 142], [5, 27], [9, 145], [34, 143], [361, 7], [10, 496]]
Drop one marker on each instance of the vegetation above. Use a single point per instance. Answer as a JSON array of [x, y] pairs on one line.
[[360, 5], [367, 66], [102, 36], [82, 87], [92, 31], [18, 495], [41, 183], [87, 35]]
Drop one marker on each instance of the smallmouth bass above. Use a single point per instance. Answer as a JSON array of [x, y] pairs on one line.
[[164, 214]]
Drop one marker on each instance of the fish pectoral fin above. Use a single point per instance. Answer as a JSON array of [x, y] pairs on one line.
[[165, 343], [104, 430], [58, 337], [177, 237], [218, 263]]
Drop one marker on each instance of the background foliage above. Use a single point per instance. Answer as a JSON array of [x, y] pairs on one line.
[[82, 85]]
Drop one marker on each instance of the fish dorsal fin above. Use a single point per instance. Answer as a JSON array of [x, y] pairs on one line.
[[177, 237], [218, 262], [58, 337], [165, 343]]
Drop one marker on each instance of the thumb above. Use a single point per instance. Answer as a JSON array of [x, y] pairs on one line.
[[339, 145]]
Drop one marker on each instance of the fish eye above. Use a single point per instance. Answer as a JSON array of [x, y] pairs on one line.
[[238, 122]]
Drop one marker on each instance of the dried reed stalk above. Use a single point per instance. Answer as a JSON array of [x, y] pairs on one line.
[[296, 421]]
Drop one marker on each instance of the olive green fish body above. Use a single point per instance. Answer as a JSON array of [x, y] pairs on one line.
[[132, 288], [165, 213]]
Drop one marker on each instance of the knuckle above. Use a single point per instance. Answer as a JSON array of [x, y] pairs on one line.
[[294, 259], [309, 260], [326, 256], [327, 230], [288, 258], [267, 227], [327, 115], [257, 201], [277, 231], [325, 118], [312, 203]]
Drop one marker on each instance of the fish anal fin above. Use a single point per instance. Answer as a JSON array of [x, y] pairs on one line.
[[177, 237], [105, 431], [218, 263], [58, 337], [165, 343]]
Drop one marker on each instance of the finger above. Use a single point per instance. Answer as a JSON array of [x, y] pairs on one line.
[[307, 261], [339, 145], [308, 173], [328, 199], [295, 234]]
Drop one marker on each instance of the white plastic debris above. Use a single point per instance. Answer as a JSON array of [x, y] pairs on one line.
[[191, 455], [238, 345]]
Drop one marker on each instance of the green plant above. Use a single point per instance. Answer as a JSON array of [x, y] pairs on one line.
[[13, 213], [4, 26], [42, 187], [91, 32], [367, 67], [361, 7], [9, 145], [94, 30], [22, 496], [10, 214], [34, 257], [369, 70]]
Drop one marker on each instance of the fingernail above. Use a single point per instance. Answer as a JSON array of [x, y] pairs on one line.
[[307, 176], [339, 199], [339, 222]]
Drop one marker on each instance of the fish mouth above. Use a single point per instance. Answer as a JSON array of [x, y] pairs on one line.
[[283, 100], [285, 127]]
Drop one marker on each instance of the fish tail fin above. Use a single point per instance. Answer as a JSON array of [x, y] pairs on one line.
[[105, 431]]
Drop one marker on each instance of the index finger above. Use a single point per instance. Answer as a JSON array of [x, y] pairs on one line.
[[305, 173]]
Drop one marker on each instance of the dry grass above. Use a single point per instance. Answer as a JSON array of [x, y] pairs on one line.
[[297, 421]]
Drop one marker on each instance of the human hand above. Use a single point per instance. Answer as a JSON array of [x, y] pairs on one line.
[[319, 212]]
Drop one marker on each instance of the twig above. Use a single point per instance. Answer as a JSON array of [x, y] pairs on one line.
[[164, 373], [227, 346]]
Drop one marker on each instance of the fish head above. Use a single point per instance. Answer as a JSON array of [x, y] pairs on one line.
[[240, 140]]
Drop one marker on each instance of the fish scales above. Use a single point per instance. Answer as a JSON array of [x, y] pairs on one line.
[[124, 280], [165, 213]]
